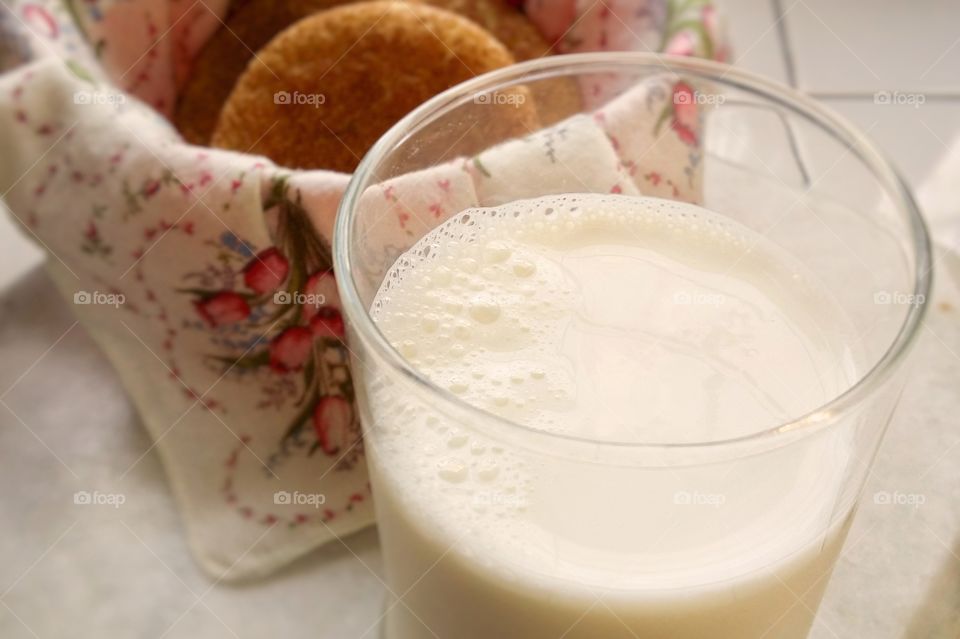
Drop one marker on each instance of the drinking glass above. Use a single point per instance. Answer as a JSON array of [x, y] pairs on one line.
[[730, 540]]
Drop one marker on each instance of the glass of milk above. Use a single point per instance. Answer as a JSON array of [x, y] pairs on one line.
[[613, 412]]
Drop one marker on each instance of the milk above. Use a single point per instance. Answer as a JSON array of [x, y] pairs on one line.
[[626, 322]]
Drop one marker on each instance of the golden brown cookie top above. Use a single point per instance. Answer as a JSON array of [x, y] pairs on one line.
[[250, 25], [253, 23], [322, 92], [506, 23]]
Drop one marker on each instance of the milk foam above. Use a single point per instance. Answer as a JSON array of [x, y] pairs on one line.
[[615, 319], [590, 314]]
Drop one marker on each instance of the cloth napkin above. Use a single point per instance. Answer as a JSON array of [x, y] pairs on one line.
[[205, 276]]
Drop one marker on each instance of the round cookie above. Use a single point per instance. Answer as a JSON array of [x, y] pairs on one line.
[[507, 24], [323, 91], [226, 54], [555, 99], [253, 23]]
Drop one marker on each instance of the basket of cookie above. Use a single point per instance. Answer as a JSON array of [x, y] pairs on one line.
[[182, 163]]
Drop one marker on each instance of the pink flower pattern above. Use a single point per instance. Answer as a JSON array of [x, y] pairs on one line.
[[266, 272], [686, 118], [291, 288], [222, 308], [297, 359]]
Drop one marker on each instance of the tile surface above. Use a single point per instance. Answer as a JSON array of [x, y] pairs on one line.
[[871, 46], [913, 137], [17, 253], [754, 37]]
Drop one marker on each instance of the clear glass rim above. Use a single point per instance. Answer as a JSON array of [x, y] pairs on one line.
[[813, 421]]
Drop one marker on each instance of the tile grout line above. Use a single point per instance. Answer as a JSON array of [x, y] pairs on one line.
[[786, 54], [784, 40], [938, 95]]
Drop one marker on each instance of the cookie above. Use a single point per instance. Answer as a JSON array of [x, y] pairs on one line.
[[507, 24], [324, 90], [226, 54], [556, 98], [253, 23]]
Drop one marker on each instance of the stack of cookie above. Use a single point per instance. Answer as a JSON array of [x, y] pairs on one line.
[[312, 84]]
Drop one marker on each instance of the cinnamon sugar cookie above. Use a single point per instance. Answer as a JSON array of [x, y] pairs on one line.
[[555, 99], [507, 24], [226, 54], [253, 23], [322, 92]]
